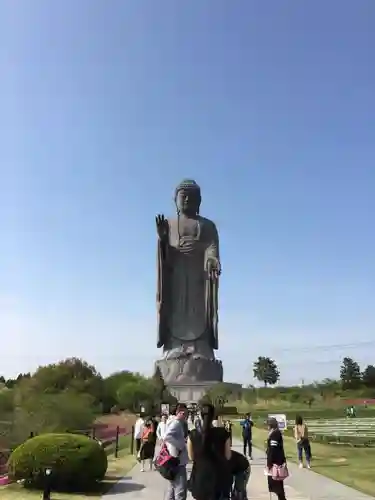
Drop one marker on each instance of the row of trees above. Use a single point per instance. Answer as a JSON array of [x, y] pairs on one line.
[[351, 376], [69, 395]]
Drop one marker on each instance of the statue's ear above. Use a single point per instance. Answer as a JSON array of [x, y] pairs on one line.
[[175, 202], [199, 201]]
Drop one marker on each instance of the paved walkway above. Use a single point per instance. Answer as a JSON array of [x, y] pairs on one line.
[[301, 485]]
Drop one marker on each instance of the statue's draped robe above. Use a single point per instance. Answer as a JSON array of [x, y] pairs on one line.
[[187, 298]]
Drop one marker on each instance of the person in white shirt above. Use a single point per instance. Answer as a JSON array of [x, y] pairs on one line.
[[138, 430], [162, 427], [175, 442]]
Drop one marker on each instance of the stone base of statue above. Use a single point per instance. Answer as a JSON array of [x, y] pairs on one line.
[[189, 377], [190, 369]]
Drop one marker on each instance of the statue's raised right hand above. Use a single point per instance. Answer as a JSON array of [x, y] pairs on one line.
[[162, 227]]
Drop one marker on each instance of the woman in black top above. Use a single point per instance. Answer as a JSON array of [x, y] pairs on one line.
[[210, 451], [275, 456]]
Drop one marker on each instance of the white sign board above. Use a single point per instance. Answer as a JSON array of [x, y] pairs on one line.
[[281, 420], [164, 409]]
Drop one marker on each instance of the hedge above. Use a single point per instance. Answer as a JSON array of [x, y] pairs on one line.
[[77, 462]]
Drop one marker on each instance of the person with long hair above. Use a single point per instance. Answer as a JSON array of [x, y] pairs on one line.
[[301, 435], [147, 451], [275, 459], [210, 451]]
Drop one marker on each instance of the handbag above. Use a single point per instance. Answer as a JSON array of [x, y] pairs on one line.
[[166, 465], [279, 472]]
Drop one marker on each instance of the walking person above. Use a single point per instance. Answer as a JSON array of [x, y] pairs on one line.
[[138, 429], [147, 451], [175, 441], [276, 460], [162, 428], [210, 451], [301, 435], [247, 435]]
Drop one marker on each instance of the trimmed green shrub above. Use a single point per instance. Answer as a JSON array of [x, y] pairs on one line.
[[77, 462]]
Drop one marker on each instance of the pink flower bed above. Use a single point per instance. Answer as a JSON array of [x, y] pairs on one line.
[[106, 432], [4, 480]]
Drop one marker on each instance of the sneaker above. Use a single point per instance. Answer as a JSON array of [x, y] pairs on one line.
[[308, 466], [301, 466], [142, 470]]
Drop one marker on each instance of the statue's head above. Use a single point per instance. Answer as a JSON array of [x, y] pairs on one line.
[[188, 197]]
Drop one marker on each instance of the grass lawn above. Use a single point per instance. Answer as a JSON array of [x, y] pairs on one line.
[[117, 468], [351, 466], [313, 413]]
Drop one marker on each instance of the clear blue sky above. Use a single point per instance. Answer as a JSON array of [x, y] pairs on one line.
[[107, 105]]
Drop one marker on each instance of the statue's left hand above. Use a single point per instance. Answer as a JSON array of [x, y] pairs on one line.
[[213, 268]]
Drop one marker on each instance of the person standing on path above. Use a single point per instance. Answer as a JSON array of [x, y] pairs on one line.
[[175, 441], [247, 435], [162, 428], [210, 451], [138, 430], [147, 451], [228, 427], [275, 457], [301, 435]]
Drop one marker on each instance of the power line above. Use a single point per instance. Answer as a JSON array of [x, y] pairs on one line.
[[324, 348]]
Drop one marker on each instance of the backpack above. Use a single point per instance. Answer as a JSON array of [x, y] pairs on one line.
[[166, 465]]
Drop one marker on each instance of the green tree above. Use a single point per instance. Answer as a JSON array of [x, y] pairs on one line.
[[159, 384], [10, 383], [162, 394], [6, 401], [350, 374], [368, 376], [71, 374], [66, 411], [132, 395], [113, 383], [266, 371]]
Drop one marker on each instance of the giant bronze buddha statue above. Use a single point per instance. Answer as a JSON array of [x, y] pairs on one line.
[[187, 290]]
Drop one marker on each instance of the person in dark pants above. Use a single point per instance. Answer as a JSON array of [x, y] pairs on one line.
[[247, 435], [301, 435], [275, 457]]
